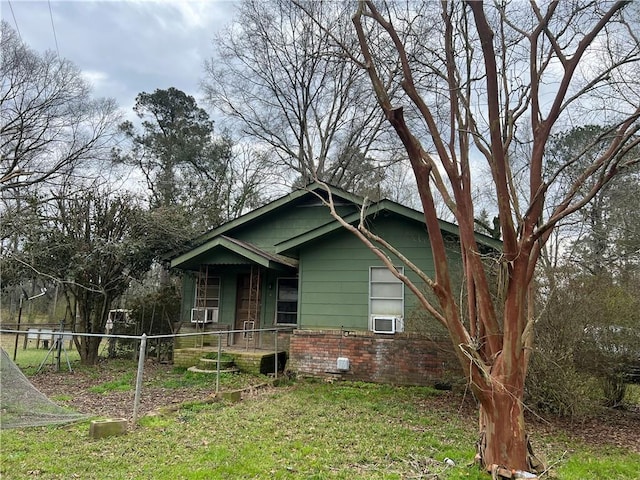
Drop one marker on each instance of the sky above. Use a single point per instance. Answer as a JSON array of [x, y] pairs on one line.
[[125, 47]]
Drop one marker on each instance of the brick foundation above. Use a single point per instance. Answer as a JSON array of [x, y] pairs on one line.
[[400, 359]]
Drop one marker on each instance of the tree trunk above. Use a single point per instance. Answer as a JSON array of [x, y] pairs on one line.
[[89, 348], [503, 440]]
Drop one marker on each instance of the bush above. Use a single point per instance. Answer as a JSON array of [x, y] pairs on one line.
[[555, 386], [586, 344]]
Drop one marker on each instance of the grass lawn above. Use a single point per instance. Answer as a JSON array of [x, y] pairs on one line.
[[29, 359], [307, 430]]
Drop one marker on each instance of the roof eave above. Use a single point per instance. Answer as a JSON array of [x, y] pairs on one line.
[[275, 204], [254, 254], [373, 210]]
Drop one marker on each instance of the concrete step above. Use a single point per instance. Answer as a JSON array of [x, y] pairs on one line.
[[212, 363], [214, 371]]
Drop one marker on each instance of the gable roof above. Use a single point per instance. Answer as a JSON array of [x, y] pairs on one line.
[[370, 212], [217, 238], [314, 188], [244, 250]]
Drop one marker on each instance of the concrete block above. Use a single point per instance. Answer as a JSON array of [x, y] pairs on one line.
[[107, 428], [233, 396]]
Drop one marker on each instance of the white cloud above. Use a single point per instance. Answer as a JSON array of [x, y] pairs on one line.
[[96, 78], [128, 46]]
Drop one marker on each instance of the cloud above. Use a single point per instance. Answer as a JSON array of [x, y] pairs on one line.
[[95, 78], [126, 47]]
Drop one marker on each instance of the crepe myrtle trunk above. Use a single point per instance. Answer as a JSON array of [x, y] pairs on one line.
[[498, 380], [503, 439], [496, 367]]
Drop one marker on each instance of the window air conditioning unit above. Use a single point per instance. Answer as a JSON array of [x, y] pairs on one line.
[[384, 324], [204, 315]]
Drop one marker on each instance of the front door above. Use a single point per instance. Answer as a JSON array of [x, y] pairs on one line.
[[247, 306]]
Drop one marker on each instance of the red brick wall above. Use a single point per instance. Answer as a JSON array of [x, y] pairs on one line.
[[401, 359]]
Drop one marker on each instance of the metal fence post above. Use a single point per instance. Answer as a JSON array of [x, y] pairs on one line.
[[275, 358], [15, 347], [141, 355], [59, 346], [218, 364]]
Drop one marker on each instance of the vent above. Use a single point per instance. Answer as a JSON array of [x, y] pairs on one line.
[[384, 324], [342, 364], [204, 315]]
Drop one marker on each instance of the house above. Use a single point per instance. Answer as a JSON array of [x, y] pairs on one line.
[[289, 263]]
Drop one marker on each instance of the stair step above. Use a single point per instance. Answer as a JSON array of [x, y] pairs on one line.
[[202, 370], [207, 363]]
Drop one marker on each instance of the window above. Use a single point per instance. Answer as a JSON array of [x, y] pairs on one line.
[[287, 304], [207, 298], [386, 300]]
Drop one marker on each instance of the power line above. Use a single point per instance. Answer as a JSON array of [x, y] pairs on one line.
[[14, 20], [53, 27]]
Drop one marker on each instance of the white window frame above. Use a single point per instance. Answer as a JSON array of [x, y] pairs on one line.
[[399, 324], [275, 319]]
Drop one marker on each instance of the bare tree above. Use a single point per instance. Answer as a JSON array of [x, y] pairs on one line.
[[50, 124], [93, 245], [282, 81], [605, 234], [476, 81], [52, 133]]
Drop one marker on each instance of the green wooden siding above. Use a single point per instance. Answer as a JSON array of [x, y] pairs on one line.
[[224, 257], [335, 274], [218, 256], [284, 224], [333, 270], [228, 287]]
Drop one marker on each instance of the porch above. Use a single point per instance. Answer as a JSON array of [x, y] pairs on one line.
[[252, 351], [254, 361]]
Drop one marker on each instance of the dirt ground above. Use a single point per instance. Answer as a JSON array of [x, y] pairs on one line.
[[614, 427], [72, 390]]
